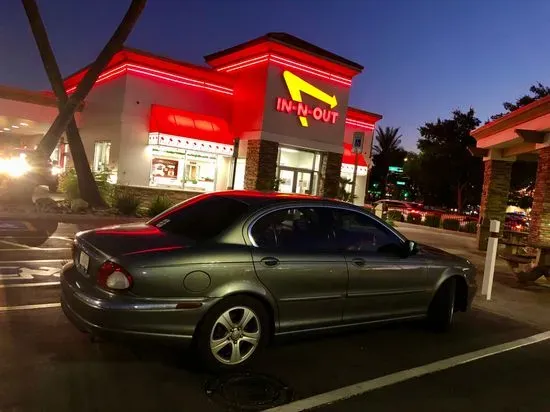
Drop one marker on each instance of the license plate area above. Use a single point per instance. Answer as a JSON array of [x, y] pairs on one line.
[[83, 261]]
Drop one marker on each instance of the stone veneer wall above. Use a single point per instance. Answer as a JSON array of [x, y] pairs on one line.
[[261, 164], [148, 194], [494, 199], [331, 168], [539, 229]]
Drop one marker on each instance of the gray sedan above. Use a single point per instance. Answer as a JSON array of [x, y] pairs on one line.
[[231, 270]]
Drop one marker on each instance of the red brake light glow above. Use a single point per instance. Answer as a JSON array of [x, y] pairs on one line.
[[113, 276]]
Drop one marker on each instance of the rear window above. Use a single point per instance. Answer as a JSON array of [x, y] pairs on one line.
[[204, 219]]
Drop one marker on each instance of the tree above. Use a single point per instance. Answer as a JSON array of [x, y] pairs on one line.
[[449, 175], [68, 105], [538, 91], [387, 152]]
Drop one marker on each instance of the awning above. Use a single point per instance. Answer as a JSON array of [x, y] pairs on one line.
[[349, 157], [175, 122]]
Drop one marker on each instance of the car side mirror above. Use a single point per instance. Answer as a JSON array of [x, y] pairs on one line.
[[412, 248]]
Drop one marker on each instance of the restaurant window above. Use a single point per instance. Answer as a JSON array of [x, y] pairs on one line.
[[102, 154], [189, 170]]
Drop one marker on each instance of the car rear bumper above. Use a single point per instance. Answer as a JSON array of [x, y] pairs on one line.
[[100, 313]]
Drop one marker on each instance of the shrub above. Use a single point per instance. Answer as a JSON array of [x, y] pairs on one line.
[[469, 227], [395, 215], [126, 202], [68, 184], [159, 205], [414, 218], [432, 220], [451, 224]]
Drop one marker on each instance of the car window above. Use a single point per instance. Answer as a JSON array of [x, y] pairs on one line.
[[355, 231], [202, 219], [294, 229]]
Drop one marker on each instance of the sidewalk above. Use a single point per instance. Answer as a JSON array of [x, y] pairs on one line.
[[525, 303]]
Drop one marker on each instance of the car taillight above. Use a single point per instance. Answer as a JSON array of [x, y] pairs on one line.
[[113, 276]]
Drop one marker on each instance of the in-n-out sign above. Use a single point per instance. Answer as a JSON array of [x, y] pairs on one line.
[[296, 87]]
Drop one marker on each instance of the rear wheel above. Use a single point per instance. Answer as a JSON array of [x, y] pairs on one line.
[[442, 308], [232, 333]]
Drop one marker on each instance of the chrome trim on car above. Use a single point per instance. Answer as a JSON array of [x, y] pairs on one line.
[[387, 292], [283, 206], [141, 306], [312, 298]]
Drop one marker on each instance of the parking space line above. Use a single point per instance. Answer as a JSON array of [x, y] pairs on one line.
[[11, 262], [29, 307], [28, 285], [22, 247], [398, 377]]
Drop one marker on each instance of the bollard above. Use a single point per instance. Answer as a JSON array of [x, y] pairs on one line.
[[490, 259]]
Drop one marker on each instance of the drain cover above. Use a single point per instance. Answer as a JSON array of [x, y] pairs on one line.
[[248, 391]]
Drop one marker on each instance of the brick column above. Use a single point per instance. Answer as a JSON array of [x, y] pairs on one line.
[[331, 168], [496, 186], [261, 164], [539, 228]]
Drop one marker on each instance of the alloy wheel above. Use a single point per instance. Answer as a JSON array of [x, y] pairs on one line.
[[235, 335]]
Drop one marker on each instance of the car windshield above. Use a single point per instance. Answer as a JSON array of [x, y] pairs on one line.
[[202, 218]]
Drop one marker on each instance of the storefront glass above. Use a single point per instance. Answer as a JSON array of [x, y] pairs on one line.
[[188, 170], [102, 155], [298, 170]]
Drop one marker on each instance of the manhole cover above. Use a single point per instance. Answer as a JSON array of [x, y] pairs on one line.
[[248, 391]]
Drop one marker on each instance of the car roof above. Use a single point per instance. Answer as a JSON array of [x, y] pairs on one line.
[[258, 199]]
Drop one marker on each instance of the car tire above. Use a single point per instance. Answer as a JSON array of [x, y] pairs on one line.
[[442, 307], [244, 338]]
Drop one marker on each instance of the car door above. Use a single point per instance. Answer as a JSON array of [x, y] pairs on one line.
[[383, 283], [292, 257]]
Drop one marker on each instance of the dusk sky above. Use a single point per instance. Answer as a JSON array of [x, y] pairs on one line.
[[422, 58]]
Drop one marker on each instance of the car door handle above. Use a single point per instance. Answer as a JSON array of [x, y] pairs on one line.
[[358, 262], [270, 261]]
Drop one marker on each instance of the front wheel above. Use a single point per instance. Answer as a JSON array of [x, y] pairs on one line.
[[442, 308], [232, 333]]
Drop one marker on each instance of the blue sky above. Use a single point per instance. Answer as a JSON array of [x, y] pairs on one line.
[[422, 58]]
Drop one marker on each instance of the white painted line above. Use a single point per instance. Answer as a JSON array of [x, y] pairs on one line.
[[29, 307], [28, 285], [398, 377], [12, 262], [7, 242], [36, 249]]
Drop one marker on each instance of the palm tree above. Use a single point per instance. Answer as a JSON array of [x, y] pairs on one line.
[[387, 151], [388, 141], [67, 105]]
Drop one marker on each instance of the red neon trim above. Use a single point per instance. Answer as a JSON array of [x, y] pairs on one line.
[[359, 124], [245, 63], [286, 62], [127, 67]]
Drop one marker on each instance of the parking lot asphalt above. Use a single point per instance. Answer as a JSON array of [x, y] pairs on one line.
[[47, 365]]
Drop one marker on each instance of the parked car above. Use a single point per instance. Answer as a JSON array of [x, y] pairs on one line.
[[405, 208], [231, 270], [517, 222]]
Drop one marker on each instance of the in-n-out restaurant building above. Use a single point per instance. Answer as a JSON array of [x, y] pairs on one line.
[[272, 110]]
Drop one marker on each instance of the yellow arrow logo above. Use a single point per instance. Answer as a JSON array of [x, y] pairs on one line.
[[296, 86]]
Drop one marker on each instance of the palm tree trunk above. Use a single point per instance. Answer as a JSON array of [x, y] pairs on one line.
[[115, 43], [86, 182]]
